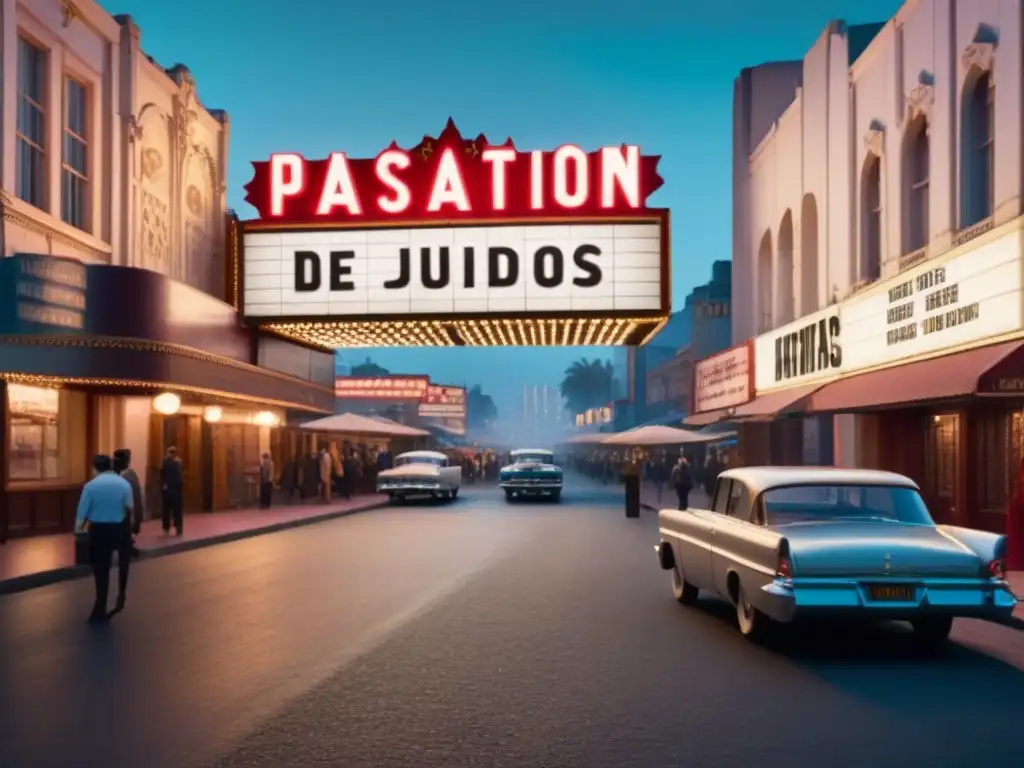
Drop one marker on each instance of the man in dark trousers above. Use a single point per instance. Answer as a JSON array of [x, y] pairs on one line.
[[104, 506], [350, 474], [172, 482], [266, 481], [682, 480], [123, 466]]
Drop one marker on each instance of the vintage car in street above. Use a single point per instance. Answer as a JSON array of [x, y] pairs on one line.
[[782, 543], [420, 473], [532, 473]]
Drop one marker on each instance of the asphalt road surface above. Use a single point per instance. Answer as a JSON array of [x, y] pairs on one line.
[[474, 634]]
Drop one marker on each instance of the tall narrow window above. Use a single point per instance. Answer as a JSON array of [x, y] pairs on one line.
[[977, 169], [74, 209], [31, 128], [916, 162], [871, 220]]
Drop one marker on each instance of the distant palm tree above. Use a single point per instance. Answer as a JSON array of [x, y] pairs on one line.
[[587, 384]]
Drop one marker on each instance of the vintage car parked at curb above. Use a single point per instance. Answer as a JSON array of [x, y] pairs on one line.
[[782, 543], [420, 473], [533, 472]]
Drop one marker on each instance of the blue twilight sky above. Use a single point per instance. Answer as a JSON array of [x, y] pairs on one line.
[[320, 75]]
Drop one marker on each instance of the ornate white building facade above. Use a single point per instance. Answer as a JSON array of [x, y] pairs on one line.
[[107, 157], [878, 251], [887, 145]]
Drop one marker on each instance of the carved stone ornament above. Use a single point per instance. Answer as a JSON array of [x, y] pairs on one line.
[[152, 163], [920, 100], [874, 141], [68, 13], [194, 201], [978, 55], [186, 112]]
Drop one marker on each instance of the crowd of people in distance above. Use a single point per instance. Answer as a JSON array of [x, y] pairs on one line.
[[679, 470], [330, 472]]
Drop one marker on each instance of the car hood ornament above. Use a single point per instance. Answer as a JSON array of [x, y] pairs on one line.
[[887, 561]]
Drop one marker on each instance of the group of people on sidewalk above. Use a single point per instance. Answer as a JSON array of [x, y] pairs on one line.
[[679, 473], [324, 474]]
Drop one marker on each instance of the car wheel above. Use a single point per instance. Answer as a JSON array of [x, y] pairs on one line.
[[455, 493], [683, 591], [509, 496], [931, 634], [753, 624], [556, 496]]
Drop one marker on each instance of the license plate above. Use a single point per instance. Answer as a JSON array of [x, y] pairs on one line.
[[892, 593]]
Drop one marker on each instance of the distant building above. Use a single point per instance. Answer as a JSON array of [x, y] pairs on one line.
[[701, 328]]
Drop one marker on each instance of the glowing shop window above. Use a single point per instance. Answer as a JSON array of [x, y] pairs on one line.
[[33, 417]]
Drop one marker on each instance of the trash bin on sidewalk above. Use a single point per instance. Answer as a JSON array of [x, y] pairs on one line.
[[82, 548], [632, 496]]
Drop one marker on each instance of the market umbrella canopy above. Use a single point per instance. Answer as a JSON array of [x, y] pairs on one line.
[[354, 424], [591, 438], [658, 435]]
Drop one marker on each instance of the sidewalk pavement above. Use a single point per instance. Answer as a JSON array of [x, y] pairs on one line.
[[40, 560]]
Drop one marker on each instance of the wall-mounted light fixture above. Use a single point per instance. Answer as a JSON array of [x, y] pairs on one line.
[[167, 403], [265, 419], [213, 413]]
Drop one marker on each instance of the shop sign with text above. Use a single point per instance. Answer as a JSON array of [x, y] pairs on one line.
[[381, 387], [455, 226], [807, 350], [972, 297], [723, 380], [443, 401]]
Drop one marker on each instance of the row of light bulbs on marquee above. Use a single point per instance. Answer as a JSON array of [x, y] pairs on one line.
[[561, 332], [168, 404]]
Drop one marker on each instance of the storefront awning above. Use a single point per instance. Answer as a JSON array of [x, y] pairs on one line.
[[940, 378], [771, 404], [706, 418]]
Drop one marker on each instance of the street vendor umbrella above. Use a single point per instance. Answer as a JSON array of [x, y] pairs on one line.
[[659, 435], [354, 424], [591, 438]]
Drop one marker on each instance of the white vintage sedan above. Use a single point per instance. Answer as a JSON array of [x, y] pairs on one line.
[[780, 543], [420, 473]]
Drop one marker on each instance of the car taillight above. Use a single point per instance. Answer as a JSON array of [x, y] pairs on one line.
[[997, 568], [784, 570]]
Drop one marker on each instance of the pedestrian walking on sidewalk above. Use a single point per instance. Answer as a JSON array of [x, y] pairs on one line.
[[266, 481], [104, 506], [123, 467], [326, 472], [172, 483], [682, 481]]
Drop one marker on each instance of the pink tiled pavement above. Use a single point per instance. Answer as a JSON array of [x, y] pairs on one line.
[[24, 557]]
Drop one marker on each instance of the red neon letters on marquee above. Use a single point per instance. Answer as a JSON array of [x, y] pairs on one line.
[[452, 178]]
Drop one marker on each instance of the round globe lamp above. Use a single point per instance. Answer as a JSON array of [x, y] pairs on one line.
[[167, 403], [213, 413]]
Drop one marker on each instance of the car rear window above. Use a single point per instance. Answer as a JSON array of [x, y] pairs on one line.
[[824, 503]]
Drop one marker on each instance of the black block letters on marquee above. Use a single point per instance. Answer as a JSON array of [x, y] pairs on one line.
[[504, 268], [810, 349]]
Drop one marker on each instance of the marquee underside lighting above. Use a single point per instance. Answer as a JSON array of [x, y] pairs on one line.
[[494, 332]]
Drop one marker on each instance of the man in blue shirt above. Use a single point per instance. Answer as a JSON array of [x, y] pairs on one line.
[[105, 503]]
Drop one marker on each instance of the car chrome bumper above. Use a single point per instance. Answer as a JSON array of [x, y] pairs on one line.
[[408, 486], [787, 600], [520, 485]]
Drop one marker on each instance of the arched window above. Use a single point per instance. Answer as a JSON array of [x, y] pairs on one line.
[[916, 171], [766, 316], [977, 142], [871, 219]]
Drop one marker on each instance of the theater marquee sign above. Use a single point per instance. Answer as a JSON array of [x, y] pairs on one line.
[[457, 242]]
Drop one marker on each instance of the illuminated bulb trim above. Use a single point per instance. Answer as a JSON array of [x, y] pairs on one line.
[[601, 331]]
